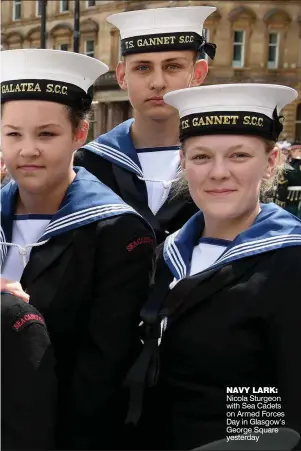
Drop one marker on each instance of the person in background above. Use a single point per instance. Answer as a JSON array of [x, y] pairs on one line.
[[81, 254], [288, 192], [139, 159], [28, 380], [224, 305]]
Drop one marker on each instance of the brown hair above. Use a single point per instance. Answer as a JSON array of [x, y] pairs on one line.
[[76, 115]]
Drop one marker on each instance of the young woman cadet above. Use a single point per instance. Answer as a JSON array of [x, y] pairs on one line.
[[227, 285], [82, 255], [139, 159]]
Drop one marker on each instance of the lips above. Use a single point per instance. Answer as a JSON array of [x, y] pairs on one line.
[[220, 192], [30, 167], [156, 98]]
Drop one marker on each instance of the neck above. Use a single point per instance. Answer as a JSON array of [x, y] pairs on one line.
[[44, 202], [147, 132], [229, 229]]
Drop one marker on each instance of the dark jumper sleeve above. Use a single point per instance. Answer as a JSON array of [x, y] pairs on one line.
[[122, 275]]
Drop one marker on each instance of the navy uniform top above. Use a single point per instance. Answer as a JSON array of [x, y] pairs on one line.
[[146, 185]]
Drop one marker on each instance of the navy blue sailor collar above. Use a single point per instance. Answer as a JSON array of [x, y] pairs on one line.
[[86, 200], [273, 228], [117, 147]]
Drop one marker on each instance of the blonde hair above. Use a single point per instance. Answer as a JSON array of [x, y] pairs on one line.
[[180, 188]]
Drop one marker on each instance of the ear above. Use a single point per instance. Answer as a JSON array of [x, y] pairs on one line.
[[81, 134], [273, 161], [182, 157], [120, 75], [199, 73]]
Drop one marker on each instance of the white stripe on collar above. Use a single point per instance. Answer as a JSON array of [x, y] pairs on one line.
[[97, 213], [174, 255], [256, 246], [114, 155], [3, 248], [180, 269]]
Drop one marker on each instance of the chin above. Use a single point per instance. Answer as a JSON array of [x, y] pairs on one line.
[[221, 212], [32, 187], [160, 113]]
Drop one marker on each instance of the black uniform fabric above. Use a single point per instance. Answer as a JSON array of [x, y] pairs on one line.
[[90, 283], [28, 381], [290, 199], [175, 211], [234, 326]]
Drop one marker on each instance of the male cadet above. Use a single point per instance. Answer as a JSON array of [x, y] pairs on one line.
[[139, 159], [288, 193]]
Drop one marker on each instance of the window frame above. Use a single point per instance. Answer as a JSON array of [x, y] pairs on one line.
[[38, 6], [90, 6], [61, 6], [60, 45], [242, 45], [17, 3], [277, 46], [85, 47]]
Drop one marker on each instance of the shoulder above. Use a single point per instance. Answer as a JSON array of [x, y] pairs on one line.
[[288, 259], [125, 226], [84, 156], [17, 315]]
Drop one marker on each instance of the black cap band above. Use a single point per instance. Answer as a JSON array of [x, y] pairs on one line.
[[167, 42], [52, 91], [230, 122]]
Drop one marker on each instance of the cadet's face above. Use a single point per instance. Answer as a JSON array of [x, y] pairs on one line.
[[148, 76], [38, 144], [225, 173]]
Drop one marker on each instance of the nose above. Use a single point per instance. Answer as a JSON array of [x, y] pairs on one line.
[[219, 169], [28, 148], [158, 82]]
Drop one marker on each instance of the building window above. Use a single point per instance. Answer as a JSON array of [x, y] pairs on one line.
[[89, 48], [39, 7], [298, 123], [64, 6], [17, 9], [273, 54], [64, 47], [90, 3], [238, 49]]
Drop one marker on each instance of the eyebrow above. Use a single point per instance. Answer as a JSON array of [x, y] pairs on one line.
[[207, 149], [168, 60], [40, 126]]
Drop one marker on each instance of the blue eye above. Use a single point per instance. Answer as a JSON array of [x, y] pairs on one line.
[[141, 68]]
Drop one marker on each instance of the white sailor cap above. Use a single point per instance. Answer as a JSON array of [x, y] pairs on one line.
[[53, 75], [245, 108], [163, 29]]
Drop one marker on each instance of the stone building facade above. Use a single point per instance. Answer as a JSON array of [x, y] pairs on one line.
[[257, 41]]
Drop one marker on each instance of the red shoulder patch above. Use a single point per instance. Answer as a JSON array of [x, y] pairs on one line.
[[27, 319], [143, 240]]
